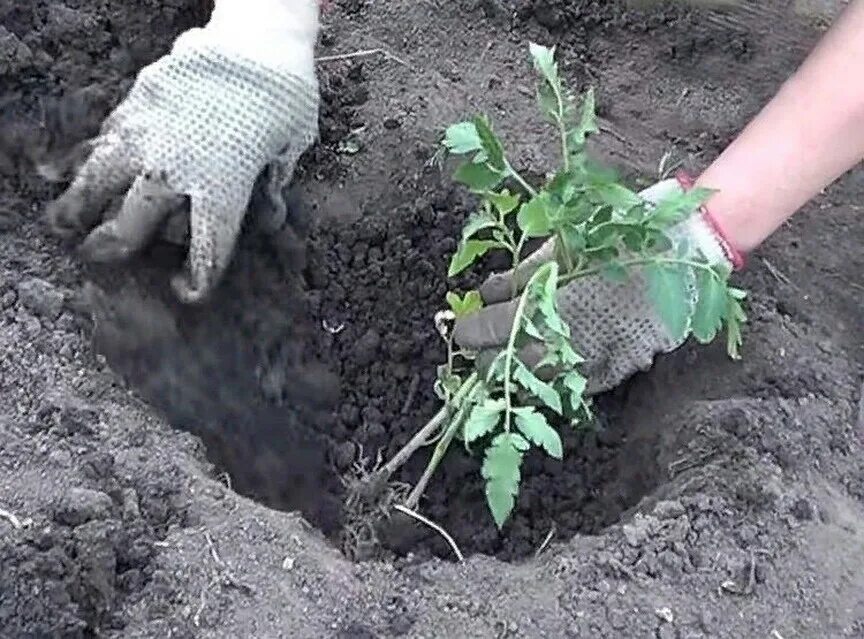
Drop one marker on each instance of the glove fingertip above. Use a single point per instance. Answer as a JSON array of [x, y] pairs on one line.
[[497, 288]]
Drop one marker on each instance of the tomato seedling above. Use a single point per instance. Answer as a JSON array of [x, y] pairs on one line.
[[600, 228]]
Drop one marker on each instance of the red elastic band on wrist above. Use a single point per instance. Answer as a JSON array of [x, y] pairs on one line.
[[736, 257]]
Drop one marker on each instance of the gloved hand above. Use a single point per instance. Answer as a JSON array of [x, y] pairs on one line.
[[200, 125], [613, 324]]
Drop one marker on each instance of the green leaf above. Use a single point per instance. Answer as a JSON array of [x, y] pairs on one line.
[[668, 289], [544, 61], [504, 202], [572, 239], [678, 206], [490, 144], [462, 138], [616, 195], [587, 121], [576, 384], [537, 387], [536, 429], [483, 418], [531, 329], [467, 254], [710, 306], [462, 306], [735, 318], [476, 222], [501, 470], [533, 217], [478, 177]]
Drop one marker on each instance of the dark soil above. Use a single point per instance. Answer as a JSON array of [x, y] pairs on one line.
[[712, 499]]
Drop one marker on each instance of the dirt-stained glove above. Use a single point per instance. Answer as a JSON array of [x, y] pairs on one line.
[[200, 124], [614, 325]]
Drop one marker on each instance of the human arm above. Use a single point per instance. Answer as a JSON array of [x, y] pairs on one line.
[[806, 137]]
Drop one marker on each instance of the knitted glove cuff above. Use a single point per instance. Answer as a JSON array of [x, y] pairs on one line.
[[735, 257]]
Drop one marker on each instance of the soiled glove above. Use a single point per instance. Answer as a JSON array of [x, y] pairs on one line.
[[614, 325], [200, 124]]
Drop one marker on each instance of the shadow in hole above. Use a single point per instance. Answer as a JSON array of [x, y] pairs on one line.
[[236, 371]]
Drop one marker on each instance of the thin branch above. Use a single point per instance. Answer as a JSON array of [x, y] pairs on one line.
[[365, 53], [547, 540], [13, 520], [423, 520]]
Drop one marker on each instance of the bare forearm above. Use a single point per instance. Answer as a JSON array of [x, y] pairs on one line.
[[805, 138]]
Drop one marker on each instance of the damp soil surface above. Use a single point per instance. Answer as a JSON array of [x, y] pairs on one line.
[[180, 472]]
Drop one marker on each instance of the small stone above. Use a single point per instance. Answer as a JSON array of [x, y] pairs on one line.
[[366, 349], [345, 455], [802, 510], [665, 614], [80, 505], [8, 299], [60, 458], [637, 532], [668, 509], [131, 509], [392, 123], [41, 298]]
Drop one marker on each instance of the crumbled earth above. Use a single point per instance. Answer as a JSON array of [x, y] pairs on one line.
[[175, 472]]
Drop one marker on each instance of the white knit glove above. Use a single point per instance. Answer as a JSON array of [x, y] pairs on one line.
[[614, 325], [200, 124]]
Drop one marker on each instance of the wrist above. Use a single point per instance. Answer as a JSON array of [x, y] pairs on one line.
[[730, 248]]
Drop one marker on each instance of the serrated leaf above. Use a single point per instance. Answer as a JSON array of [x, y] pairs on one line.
[[576, 385], [495, 372], [478, 177], [544, 61], [537, 387], [563, 186], [483, 418], [616, 196], [504, 202], [572, 240], [668, 289], [537, 430], [490, 144], [531, 329], [476, 222], [467, 254], [568, 356], [678, 206], [587, 121], [502, 472], [710, 306], [462, 138], [533, 218], [462, 306]]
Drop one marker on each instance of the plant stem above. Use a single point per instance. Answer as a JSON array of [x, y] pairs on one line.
[[517, 259], [422, 436], [511, 349], [575, 275], [522, 181], [438, 453]]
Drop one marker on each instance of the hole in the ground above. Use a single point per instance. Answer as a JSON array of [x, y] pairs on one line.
[[248, 372], [242, 374]]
